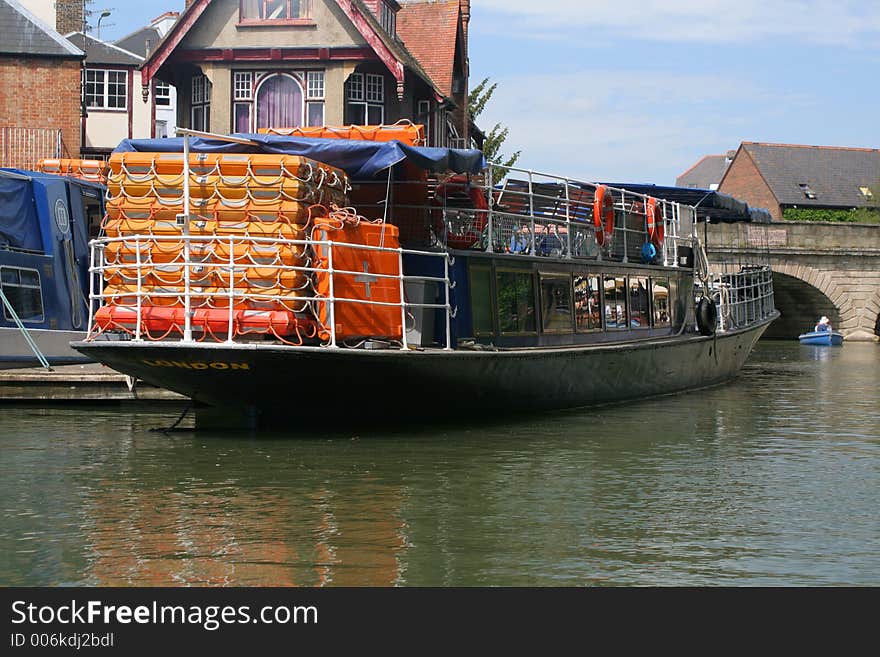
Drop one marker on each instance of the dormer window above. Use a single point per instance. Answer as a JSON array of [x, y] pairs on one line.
[[258, 11], [807, 190], [387, 18]]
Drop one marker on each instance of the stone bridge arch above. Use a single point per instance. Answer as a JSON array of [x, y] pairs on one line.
[[819, 269]]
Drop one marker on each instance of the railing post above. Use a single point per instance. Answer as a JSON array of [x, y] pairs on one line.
[[402, 297], [490, 215], [137, 249], [184, 217], [567, 221], [332, 299], [532, 241], [448, 306], [623, 230], [92, 247], [230, 326]]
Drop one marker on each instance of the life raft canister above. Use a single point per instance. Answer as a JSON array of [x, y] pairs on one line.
[[654, 218], [457, 192], [707, 316], [603, 215]]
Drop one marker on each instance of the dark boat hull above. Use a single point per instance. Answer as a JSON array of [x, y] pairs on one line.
[[270, 384]]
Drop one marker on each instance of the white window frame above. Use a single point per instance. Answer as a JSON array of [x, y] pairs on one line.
[[305, 12], [367, 90], [105, 94], [163, 93], [243, 85]]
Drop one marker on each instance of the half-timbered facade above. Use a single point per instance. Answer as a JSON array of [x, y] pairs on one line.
[[246, 65]]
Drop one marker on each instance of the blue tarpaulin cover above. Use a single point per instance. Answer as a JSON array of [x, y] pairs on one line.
[[361, 160], [19, 226]]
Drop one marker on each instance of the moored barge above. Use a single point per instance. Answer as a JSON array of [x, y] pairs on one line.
[[260, 275]]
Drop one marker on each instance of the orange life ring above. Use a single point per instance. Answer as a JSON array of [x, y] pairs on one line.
[[457, 192], [603, 215], [654, 217]]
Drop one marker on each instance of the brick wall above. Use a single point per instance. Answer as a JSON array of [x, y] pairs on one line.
[[42, 93], [744, 181]]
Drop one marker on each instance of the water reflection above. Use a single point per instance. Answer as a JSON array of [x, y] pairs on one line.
[[769, 480]]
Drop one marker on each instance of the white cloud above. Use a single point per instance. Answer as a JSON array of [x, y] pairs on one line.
[[624, 125], [842, 22]]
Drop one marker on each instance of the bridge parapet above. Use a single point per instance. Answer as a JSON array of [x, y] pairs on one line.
[[841, 261]]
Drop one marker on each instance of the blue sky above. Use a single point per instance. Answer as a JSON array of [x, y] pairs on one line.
[[639, 90]]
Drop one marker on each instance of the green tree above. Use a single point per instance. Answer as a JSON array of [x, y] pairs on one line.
[[477, 100]]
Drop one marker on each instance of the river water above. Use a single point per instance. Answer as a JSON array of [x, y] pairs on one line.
[[773, 479]]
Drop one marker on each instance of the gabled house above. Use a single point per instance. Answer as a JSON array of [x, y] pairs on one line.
[[706, 173], [110, 79], [39, 89], [246, 65], [163, 96], [436, 34], [782, 176]]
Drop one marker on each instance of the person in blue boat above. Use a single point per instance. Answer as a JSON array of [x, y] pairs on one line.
[[823, 325]]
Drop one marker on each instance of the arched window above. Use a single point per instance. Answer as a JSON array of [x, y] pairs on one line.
[[279, 102]]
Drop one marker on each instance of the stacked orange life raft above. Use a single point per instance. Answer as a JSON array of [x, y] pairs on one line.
[[93, 170], [403, 131], [251, 216]]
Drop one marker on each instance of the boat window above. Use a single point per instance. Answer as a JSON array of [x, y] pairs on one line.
[[639, 309], [587, 302], [660, 301], [481, 300], [22, 288], [556, 303], [615, 302], [516, 301]]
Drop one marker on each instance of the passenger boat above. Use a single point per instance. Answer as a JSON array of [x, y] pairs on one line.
[[279, 279], [44, 259], [822, 338]]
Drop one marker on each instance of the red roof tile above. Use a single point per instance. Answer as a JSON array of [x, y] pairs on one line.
[[429, 31]]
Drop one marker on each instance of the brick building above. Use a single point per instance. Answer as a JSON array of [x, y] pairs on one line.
[[242, 65], [40, 108], [781, 176]]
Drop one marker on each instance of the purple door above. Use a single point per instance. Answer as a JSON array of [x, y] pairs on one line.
[[279, 103]]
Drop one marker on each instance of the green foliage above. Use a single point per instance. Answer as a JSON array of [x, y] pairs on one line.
[[477, 100], [854, 215]]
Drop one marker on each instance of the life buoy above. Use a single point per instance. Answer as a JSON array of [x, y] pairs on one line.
[[457, 192], [603, 215], [654, 217], [707, 316]]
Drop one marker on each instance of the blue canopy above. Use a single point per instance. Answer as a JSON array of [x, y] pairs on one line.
[[359, 159], [19, 226]]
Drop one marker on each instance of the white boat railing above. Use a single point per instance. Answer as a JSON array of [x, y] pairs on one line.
[[743, 297], [138, 286], [534, 213]]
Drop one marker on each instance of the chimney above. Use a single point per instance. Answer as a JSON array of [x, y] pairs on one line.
[[69, 16]]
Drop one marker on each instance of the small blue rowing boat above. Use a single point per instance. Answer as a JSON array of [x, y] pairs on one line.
[[824, 338]]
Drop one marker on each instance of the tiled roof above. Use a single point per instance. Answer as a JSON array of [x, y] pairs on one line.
[[22, 33], [101, 52], [401, 52], [136, 42], [705, 173], [833, 174], [429, 31]]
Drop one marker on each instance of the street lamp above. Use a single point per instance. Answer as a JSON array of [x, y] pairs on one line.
[[104, 14]]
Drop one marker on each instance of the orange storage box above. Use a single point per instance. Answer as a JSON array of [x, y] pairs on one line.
[[352, 318]]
